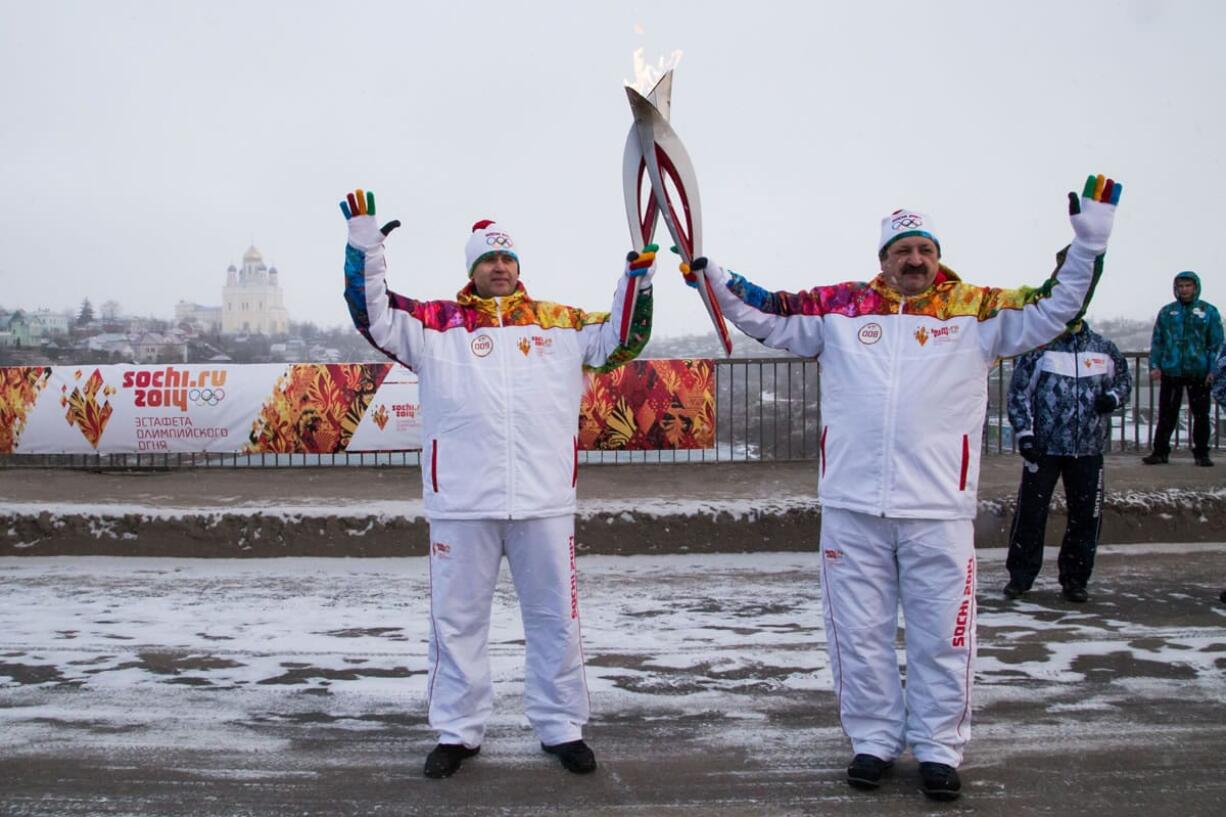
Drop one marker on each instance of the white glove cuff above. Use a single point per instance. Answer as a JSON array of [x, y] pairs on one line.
[[644, 280], [364, 233], [1092, 225]]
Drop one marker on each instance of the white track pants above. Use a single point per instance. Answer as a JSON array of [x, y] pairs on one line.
[[465, 556], [869, 565]]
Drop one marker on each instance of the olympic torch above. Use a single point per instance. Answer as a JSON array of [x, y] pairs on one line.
[[653, 148]]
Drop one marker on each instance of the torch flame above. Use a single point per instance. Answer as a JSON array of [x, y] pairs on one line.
[[646, 76]]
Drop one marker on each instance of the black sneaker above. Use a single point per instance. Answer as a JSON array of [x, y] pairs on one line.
[[444, 760], [1078, 595], [865, 771], [940, 781], [1013, 590], [1204, 461], [1155, 459], [576, 756]]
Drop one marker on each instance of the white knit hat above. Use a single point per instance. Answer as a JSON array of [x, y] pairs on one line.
[[905, 223], [487, 238]]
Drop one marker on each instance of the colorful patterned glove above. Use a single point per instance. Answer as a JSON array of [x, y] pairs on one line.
[[642, 265], [359, 210], [1093, 213], [692, 271]]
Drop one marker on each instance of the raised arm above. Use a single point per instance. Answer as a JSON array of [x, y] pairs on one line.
[[1018, 320], [619, 336], [780, 320], [383, 317]]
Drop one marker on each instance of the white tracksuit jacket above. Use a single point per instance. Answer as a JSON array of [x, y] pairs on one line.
[[904, 380], [500, 385]]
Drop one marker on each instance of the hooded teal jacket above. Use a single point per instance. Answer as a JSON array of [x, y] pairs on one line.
[[1187, 336]]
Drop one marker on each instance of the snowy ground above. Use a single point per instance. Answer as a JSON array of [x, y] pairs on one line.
[[295, 686]]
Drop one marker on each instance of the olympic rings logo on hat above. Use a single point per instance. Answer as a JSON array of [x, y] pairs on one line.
[[206, 397], [499, 240], [907, 222]]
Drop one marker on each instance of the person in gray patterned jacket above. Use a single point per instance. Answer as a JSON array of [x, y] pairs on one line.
[[1059, 398]]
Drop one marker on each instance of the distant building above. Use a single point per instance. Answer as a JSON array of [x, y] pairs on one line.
[[23, 330], [251, 299], [158, 347], [204, 318], [116, 344], [50, 323]]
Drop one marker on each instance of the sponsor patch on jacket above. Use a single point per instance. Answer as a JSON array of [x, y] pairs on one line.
[[948, 333], [482, 345], [870, 333], [542, 345]]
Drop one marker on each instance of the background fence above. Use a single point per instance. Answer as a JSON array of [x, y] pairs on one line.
[[767, 410]]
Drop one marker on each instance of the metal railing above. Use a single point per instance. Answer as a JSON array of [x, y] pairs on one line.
[[767, 410]]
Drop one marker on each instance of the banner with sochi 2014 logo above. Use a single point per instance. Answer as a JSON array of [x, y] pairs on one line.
[[312, 408], [231, 408]]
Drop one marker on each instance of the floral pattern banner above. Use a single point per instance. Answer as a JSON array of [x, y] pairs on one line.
[[315, 408], [19, 389], [312, 408], [648, 405]]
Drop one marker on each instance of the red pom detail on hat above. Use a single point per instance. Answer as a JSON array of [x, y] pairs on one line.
[[482, 224]]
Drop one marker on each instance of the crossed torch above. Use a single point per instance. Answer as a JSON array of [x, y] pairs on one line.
[[653, 147]]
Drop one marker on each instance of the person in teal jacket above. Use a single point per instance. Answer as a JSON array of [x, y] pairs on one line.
[[1187, 337]]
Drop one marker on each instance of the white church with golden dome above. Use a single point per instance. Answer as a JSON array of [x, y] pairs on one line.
[[251, 299]]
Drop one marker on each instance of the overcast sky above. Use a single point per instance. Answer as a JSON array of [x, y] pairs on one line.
[[145, 145]]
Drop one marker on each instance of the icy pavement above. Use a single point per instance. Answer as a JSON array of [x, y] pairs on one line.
[[296, 686]]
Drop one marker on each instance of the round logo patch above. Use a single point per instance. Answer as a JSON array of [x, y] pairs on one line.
[[482, 345], [869, 333]]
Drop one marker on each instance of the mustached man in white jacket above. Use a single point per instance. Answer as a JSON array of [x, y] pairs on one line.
[[500, 379], [904, 366]]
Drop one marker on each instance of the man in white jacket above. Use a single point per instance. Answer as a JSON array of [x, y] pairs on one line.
[[904, 365], [500, 380]]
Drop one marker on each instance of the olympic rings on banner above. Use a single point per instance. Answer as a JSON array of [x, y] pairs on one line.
[[206, 397]]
